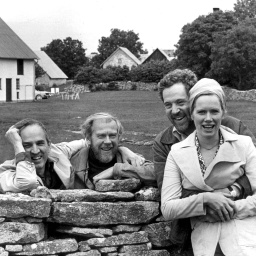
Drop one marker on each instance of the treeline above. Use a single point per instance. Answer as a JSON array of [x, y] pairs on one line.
[[149, 73]]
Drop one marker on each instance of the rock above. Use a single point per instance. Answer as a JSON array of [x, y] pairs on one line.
[[107, 249], [85, 232], [147, 253], [89, 253], [87, 195], [118, 185], [83, 246], [13, 248], [33, 220], [50, 247], [122, 239], [159, 233], [148, 194], [21, 233], [41, 192], [20, 206], [126, 229], [99, 213], [135, 248]]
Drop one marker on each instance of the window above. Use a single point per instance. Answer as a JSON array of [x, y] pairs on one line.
[[20, 67], [0, 84], [17, 84], [18, 95], [119, 61]]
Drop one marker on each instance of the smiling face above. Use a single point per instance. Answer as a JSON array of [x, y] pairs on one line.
[[34, 141], [104, 139], [177, 106], [207, 115]]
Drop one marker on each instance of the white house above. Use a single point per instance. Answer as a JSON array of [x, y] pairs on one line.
[[120, 57], [17, 67], [53, 74]]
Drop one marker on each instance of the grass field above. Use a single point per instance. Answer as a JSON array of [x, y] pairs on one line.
[[139, 111]]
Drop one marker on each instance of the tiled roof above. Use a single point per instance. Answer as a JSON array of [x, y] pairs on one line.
[[49, 66], [11, 46], [127, 52]]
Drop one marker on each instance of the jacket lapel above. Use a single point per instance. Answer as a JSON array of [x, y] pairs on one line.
[[226, 152], [187, 160]]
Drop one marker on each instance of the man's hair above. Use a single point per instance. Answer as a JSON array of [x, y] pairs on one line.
[[86, 127], [184, 76], [29, 121]]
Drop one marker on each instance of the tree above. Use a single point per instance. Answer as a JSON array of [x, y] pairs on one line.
[[194, 46], [245, 9], [68, 54], [117, 38], [234, 56], [39, 71]]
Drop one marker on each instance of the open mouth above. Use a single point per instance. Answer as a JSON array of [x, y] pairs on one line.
[[106, 149], [178, 118], [208, 127], [36, 158]]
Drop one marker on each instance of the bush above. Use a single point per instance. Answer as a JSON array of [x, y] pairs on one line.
[[133, 87], [112, 86], [152, 72]]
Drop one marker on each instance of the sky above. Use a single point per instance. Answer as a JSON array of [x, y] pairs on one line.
[[158, 22]]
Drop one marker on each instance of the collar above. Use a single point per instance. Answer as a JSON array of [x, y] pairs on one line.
[[180, 136], [227, 133], [167, 136]]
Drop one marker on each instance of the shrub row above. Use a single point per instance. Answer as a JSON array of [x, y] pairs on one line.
[[149, 72]]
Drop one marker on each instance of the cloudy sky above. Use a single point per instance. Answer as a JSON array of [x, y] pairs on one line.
[[158, 22]]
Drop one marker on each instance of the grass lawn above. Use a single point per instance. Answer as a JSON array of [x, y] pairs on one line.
[[139, 111]]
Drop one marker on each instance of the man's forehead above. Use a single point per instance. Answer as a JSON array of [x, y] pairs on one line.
[[32, 133], [101, 125], [177, 90]]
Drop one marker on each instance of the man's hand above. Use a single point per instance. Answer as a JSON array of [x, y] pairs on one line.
[[131, 157], [41, 192], [221, 204], [105, 175], [14, 138]]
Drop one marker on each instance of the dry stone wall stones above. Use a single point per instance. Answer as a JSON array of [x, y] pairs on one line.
[[16, 207], [13, 248], [135, 248], [147, 253], [126, 185], [21, 233], [126, 229], [89, 253], [87, 195], [101, 213], [50, 247], [159, 233], [85, 232], [148, 194], [122, 239], [107, 249]]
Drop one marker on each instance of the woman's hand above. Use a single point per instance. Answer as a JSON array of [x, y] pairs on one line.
[[221, 204], [131, 157]]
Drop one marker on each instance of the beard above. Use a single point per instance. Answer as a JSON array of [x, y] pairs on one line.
[[104, 156], [181, 125]]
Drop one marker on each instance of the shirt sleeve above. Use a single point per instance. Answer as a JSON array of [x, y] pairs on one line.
[[172, 205], [70, 148], [247, 207], [160, 154], [18, 178]]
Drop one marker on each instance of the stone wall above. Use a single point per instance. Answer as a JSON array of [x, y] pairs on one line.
[[233, 94], [119, 218]]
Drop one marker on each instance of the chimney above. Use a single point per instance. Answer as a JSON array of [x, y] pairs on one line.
[[216, 9]]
